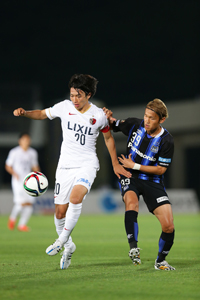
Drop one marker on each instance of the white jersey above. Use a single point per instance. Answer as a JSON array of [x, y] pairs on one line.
[[22, 163], [80, 132]]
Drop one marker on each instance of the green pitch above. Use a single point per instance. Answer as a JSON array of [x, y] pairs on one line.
[[100, 268]]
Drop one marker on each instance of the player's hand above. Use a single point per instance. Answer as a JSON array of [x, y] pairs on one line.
[[19, 112], [109, 114], [126, 162], [16, 175], [119, 170]]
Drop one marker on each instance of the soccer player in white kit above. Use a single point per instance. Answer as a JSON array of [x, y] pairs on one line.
[[78, 164], [21, 160]]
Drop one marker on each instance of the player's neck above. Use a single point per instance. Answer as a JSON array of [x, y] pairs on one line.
[[155, 132], [24, 148], [84, 108]]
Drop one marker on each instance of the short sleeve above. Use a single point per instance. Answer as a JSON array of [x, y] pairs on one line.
[[104, 126], [55, 111], [124, 125], [166, 152], [10, 159]]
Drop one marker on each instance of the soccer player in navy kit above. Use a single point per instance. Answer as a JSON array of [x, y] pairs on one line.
[[150, 150]]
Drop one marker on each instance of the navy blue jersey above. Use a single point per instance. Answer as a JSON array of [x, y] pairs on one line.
[[146, 150]]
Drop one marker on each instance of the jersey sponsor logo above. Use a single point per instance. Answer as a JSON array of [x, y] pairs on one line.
[[163, 164], [151, 158], [165, 160], [84, 180], [161, 199], [92, 121], [71, 114], [80, 129]]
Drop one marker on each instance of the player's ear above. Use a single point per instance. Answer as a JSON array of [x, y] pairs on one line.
[[89, 96], [162, 120]]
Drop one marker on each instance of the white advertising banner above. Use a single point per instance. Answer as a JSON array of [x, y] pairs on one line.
[[105, 201]]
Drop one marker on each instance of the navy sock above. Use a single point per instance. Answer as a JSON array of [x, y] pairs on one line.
[[165, 243], [131, 227]]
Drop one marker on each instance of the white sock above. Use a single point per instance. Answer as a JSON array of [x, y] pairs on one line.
[[15, 211], [72, 216], [60, 223], [25, 214]]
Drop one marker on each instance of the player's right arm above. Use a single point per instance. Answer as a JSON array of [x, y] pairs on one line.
[[10, 170], [31, 114]]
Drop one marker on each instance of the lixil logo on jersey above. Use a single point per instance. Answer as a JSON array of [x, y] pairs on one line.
[[80, 129]]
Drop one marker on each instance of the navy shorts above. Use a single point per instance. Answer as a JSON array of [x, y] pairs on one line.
[[154, 194]]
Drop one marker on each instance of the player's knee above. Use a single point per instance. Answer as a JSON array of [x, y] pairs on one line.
[[60, 214], [168, 228], [132, 206], [75, 200], [131, 201]]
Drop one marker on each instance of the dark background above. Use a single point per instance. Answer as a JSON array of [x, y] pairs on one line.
[[138, 50]]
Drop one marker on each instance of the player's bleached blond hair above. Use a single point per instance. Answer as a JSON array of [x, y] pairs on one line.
[[159, 107]]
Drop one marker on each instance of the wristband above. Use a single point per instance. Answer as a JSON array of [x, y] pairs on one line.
[[136, 167]]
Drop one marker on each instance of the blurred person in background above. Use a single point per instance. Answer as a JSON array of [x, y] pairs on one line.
[[150, 149], [21, 160]]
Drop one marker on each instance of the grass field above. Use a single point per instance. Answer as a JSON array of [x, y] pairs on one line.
[[100, 268]]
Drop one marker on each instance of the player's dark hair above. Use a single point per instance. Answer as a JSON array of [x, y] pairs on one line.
[[159, 107], [23, 133], [84, 82]]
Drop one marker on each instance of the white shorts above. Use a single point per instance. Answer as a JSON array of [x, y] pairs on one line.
[[66, 179], [19, 194]]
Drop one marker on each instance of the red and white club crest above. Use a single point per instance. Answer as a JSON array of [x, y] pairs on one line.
[[92, 121]]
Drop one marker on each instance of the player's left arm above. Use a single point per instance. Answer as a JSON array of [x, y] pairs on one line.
[[165, 155], [110, 144], [128, 163]]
